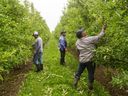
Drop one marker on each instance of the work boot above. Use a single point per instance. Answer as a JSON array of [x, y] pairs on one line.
[[75, 82], [37, 67], [90, 86], [41, 66]]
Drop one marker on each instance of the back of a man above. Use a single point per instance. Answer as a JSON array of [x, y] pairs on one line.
[[86, 47]]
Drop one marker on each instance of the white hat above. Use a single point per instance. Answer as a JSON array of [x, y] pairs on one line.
[[35, 33]]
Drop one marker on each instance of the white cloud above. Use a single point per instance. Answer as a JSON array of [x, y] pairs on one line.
[[51, 10]]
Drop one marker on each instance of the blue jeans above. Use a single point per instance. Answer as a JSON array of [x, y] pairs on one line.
[[37, 58], [90, 68]]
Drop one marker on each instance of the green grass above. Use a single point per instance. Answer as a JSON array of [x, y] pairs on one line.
[[57, 80]]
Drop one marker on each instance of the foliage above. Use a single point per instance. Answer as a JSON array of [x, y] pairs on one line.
[[121, 79], [17, 23], [56, 79], [91, 14]]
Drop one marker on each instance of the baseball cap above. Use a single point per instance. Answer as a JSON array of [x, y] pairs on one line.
[[35, 33], [79, 33], [62, 32]]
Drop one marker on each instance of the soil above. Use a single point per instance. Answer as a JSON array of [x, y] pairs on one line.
[[104, 76], [12, 82]]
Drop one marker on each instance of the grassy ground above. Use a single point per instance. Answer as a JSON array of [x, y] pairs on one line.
[[57, 80]]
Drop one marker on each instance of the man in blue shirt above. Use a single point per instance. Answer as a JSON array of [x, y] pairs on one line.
[[62, 47]]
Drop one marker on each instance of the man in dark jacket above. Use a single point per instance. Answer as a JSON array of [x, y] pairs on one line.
[[62, 47]]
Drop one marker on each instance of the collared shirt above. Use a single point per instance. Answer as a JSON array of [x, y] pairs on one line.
[[62, 43], [86, 47]]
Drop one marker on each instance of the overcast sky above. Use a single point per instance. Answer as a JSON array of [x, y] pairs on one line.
[[51, 10]]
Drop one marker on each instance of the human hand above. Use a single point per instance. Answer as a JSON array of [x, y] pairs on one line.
[[104, 27], [66, 49], [35, 52]]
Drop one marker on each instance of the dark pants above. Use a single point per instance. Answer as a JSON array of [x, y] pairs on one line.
[[62, 56], [37, 58], [90, 68]]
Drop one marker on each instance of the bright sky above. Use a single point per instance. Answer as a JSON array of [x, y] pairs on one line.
[[51, 10]]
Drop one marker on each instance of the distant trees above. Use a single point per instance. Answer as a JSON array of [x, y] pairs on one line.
[[91, 14], [17, 23]]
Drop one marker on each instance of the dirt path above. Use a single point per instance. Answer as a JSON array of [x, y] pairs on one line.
[[10, 86], [57, 80], [105, 80], [12, 82]]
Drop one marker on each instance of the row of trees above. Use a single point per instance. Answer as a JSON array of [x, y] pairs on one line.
[[92, 14], [18, 21]]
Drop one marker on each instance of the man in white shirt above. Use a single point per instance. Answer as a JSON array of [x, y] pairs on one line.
[[86, 48], [38, 50]]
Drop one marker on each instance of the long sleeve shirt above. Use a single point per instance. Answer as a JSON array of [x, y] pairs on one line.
[[86, 47], [38, 45], [62, 43]]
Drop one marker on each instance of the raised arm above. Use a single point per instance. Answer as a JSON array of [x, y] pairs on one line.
[[95, 39]]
